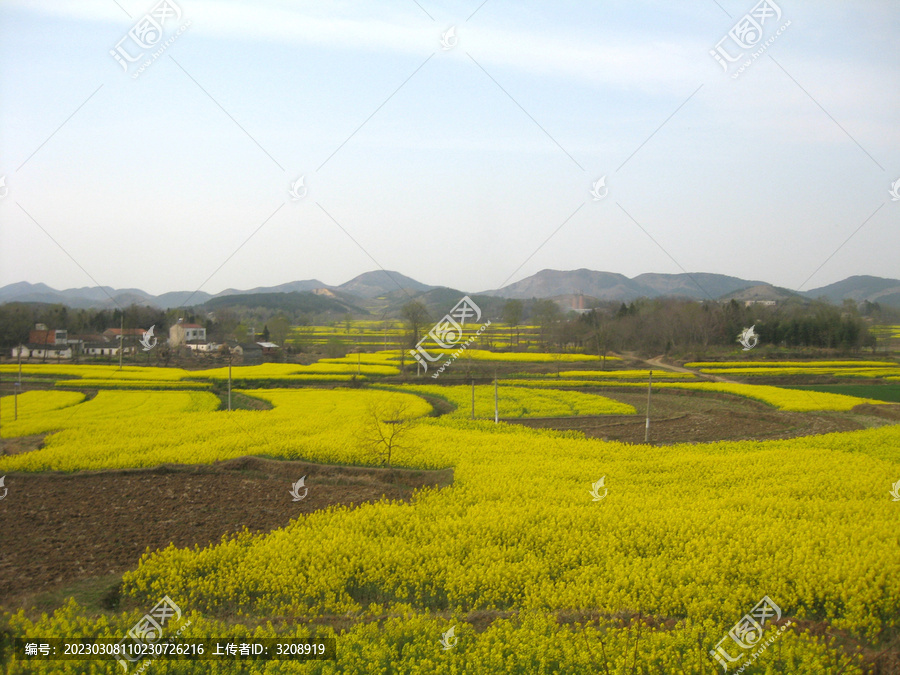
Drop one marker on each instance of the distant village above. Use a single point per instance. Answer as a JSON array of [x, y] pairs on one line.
[[185, 339]]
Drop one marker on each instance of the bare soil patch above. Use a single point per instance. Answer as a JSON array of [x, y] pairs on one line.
[[20, 444], [888, 412], [688, 417], [62, 529]]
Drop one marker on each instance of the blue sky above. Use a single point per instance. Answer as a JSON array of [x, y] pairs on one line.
[[453, 166]]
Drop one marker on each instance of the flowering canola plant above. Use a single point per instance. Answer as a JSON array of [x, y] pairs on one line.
[[689, 536], [119, 429], [32, 405], [520, 402], [791, 364], [97, 372], [265, 371], [287, 371], [380, 358], [84, 383], [778, 397], [637, 374], [524, 357], [111, 418], [782, 371]]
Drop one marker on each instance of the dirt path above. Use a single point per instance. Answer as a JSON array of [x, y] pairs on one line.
[[657, 362]]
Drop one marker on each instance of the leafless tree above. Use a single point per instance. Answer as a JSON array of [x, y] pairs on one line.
[[415, 314], [512, 317], [384, 428]]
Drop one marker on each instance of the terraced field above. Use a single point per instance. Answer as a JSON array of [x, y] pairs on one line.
[[534, 568]]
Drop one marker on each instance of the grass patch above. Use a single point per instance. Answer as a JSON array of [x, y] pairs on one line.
[[97, 594], [880, 392], [242, 401]]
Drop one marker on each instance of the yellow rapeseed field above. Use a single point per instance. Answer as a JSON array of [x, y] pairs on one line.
[[288, 371], [791, 364], [688, 536], [637, 374], [784, 371], [522, 357], [783, 399], [380, 358], [520, 402], [34, 406], [109, 420], [84, 383], [97, 372]]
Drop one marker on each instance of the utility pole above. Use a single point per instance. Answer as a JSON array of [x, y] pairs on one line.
[[496, 406], [230, 359], [473, 398], [17, 387], [647, 427], [121, 339]]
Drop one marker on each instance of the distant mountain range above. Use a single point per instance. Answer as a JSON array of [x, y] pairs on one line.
[[611, 286], [362, 291]]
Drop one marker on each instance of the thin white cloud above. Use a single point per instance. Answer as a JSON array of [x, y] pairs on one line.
[[640, 61]]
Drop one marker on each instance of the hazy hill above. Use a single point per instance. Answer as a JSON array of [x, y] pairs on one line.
[[764, 292], [700, 285], [379, 290], [859, 288], [88, 296], [290, 287], [611, 286], [381, 282], [181, 299], [439, 301], [294, 302], [551, 283]]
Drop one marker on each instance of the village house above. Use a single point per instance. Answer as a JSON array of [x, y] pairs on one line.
[[202, 346], [183, 333], [42, 336], [114, 333], [268, 348], [44, 343], [43, 352], [247, 353], [103, 348]]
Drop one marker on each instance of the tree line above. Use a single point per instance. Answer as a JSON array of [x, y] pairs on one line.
[[668, 325], [650, 326]]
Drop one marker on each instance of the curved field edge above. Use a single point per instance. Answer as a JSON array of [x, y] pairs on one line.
[[677, 528], [690, 534], [123, 429], [35, 403], [777, 397], [531, 642], [518, 529], [517, 403]]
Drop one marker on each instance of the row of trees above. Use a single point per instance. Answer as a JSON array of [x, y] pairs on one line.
[[664, 325], [17, 319], [669, 325], [646, 325]]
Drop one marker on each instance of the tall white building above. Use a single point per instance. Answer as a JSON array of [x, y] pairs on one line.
[[182, 333]]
